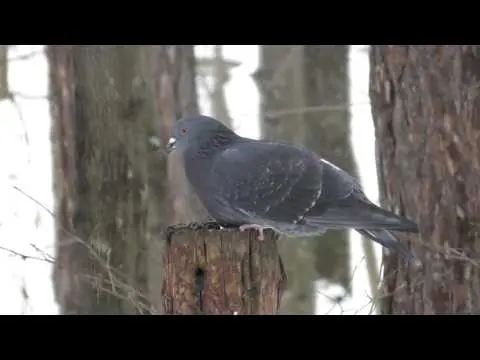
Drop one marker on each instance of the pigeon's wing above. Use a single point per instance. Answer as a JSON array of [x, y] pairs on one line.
[[271, 181], [343, 204]]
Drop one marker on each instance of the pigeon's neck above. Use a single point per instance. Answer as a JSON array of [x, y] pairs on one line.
[[213, 145], [200, 158]]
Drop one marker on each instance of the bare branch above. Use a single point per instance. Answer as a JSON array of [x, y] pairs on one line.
[[26, 56], [34, 200], [23, 256], [311, 109], [28, 96], [116, 280]]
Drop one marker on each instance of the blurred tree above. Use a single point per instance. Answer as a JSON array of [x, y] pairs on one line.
[[4, 89], [102, 110], [328, 134], [219, 68], [425, 106], [305, 102], [178, 98]]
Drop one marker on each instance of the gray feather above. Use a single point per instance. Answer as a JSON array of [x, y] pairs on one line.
[[385, 238]]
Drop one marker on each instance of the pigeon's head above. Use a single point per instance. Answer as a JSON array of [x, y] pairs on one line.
[[193, 131]]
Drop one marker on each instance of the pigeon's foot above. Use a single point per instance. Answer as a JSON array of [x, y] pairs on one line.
[[259, 228]]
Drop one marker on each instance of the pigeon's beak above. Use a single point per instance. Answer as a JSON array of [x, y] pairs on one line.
[[171, 145]]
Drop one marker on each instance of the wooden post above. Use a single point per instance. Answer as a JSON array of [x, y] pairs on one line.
[[213, 271]]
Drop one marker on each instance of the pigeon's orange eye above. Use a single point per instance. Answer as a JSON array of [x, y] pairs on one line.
[[183, 131]]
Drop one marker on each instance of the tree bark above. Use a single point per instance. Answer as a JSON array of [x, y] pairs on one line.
[[425, 105], [102, 108], [222, 272], [299, 85]]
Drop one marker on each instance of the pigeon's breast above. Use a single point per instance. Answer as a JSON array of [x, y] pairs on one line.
[[209, 190]]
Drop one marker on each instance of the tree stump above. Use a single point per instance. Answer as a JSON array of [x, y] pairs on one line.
[[221, 271]]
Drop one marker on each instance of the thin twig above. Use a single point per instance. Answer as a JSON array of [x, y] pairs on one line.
[[26, 56], [34, 200], [310, 109], [29, 96], [23, 256]]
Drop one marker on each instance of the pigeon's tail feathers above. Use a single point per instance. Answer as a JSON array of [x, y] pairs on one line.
[[360, 215], [392, 221], [385, 238]]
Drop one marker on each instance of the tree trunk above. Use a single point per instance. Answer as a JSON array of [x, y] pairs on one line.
[[220, 75], [225, 272], [218, 69], [4, 88], [177, 99], [297, 82], [327, 132], [102, 109], [425, 105]]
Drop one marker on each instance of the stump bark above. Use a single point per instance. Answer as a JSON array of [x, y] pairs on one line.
[[213, 271]]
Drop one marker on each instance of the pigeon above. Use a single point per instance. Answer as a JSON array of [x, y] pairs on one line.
[[260, 184]]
